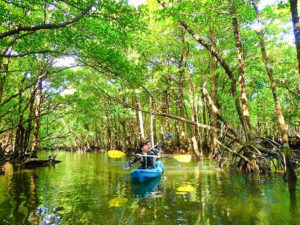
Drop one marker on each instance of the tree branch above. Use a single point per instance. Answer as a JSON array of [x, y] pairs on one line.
[[45, 26], [34, 52]]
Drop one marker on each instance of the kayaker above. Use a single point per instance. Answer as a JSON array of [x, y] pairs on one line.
[[147, 156]]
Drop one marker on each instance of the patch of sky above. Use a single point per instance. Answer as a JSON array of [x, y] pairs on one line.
[[67, 61], [136, 3]]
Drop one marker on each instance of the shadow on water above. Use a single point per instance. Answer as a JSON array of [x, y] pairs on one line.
[[93, 189], [149, 189], [22, 201], [293, 199]]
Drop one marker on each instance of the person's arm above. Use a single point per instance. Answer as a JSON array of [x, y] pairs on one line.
[[130, 163], [157, 150], [136, 158]]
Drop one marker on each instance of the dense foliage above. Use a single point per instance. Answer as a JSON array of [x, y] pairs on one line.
[[166, 58]]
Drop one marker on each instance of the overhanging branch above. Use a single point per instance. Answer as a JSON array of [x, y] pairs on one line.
[[45, 26]]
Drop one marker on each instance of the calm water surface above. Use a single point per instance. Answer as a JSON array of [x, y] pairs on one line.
[[94, 189]]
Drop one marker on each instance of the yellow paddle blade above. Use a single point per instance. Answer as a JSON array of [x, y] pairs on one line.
[[183, 158], [117, 202], [115, 154]]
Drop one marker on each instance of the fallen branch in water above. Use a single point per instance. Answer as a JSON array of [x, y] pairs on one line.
[[34, 162]]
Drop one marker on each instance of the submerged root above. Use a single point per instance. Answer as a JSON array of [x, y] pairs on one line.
[[253, 158]]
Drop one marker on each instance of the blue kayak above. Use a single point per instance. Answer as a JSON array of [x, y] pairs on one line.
[[147, 174]]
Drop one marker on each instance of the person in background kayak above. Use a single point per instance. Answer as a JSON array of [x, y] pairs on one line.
[[147, 156]]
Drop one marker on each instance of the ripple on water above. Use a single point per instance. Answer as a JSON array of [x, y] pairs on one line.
[[88, 188]]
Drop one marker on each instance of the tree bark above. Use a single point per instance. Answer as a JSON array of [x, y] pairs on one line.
[[39, 97], [220, 59], [210, 128], [214, 85], [204, 117], [181, 99], [241, 70], [191, 98], [3, 77], [217, 112], [19, 138], [296, 27], [151, 123], [109, 133], [152, 117], [30, 115], [140, 119], [45, 26], [290, 173]]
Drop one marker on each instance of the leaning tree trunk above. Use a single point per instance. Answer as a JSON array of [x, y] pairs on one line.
[[214, 86], [296, 27], [30, 116], [221, 60], [3, 79], [19, 138], [204, 118], [241, 70], [3, 76], [289, 170], [39, 97]]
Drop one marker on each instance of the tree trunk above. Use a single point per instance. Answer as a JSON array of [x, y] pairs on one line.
[[226, 67], [30, 117], [217, 112], [19, 138], [152, 117], [126, 143], [204, 119], [181, 101], [132, 138], [109, 133], [39, 97], [290, 173], [5, 68], [140, 119], [241, 69], [192, 99], [214, 85], [223, 63], [296, 27], [177, 129], [165, 109], [3, 77], [151, 123], [210, 128]]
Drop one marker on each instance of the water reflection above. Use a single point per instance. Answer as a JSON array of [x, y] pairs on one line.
[[149, 189], [117, 201], [93, 189], [292, 185]]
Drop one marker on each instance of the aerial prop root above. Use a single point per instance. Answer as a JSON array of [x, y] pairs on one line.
[[252, 158]]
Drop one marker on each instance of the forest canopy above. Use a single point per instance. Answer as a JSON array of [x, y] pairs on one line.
[[223, 76]]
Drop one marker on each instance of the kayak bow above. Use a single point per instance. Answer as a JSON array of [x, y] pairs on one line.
[[147, 174]]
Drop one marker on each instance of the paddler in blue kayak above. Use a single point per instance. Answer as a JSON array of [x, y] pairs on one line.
[[148, 156]]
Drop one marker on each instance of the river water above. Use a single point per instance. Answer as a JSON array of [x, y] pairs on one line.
[[90, 188]]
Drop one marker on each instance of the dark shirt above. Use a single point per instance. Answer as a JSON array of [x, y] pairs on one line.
[[148, 162]]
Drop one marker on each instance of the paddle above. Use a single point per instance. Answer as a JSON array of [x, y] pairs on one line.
[[179, 158], [119, 154]]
